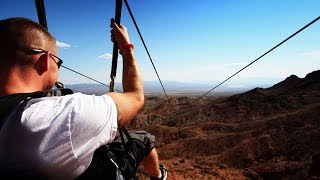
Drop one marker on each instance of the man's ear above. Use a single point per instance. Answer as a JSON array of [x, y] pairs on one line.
[[42, 64]]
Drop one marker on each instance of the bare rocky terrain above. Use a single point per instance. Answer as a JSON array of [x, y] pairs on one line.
[[271, 133]]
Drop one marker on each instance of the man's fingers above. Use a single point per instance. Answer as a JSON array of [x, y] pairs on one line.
[[114, 24], [118, 33]]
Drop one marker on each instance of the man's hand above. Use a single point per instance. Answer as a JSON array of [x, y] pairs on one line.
[[119, 34]]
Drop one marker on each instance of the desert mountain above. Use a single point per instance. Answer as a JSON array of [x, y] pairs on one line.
[[265, 133]]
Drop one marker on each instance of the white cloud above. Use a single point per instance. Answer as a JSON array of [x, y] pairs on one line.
[[235, 65], [109, 56], [106, 56], [313, 54], [63, 45], [156, 58]]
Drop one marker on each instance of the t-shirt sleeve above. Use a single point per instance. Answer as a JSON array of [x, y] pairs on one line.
[[93, 123]]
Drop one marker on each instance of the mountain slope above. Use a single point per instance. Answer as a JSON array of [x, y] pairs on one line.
[[267, 133]]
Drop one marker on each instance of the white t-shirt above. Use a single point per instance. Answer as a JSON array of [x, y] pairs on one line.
[[57, 136]]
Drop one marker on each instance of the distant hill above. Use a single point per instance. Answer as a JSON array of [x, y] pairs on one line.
[[263, 133], [174, 88]]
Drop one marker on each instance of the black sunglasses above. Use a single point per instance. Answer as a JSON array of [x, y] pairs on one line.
[[59, 62]]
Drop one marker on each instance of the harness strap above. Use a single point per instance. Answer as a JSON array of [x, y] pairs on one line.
[[115, 47], [9, 102], [41, 13], [124, 131]]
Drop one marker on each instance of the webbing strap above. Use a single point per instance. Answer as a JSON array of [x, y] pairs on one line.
[[124, 130], [115, 47], [41, 13]]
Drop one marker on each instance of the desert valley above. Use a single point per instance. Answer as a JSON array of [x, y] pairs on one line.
[[264, 133]]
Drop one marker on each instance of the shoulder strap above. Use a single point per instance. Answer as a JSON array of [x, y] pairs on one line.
[[9, 102], [125, 145]]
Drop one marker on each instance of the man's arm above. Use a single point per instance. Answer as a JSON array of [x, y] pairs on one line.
[[132, 99]]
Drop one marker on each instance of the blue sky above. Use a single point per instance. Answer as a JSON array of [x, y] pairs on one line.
[[189, 40]]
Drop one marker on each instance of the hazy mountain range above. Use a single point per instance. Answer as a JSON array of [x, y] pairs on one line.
[[180, 88]]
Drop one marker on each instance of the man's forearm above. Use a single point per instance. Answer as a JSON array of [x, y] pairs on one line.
[[131, 76]]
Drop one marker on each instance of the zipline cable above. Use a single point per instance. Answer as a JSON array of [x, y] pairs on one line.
[[261, 56], [87, 77], [115, 47], [184, 111], [144, 44]]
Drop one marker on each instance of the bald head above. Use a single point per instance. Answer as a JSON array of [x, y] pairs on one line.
[[19, 34]]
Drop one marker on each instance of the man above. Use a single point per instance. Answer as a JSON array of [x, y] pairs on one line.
[[56, 137]]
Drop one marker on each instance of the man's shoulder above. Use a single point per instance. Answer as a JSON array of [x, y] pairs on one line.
[[76, 98]]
